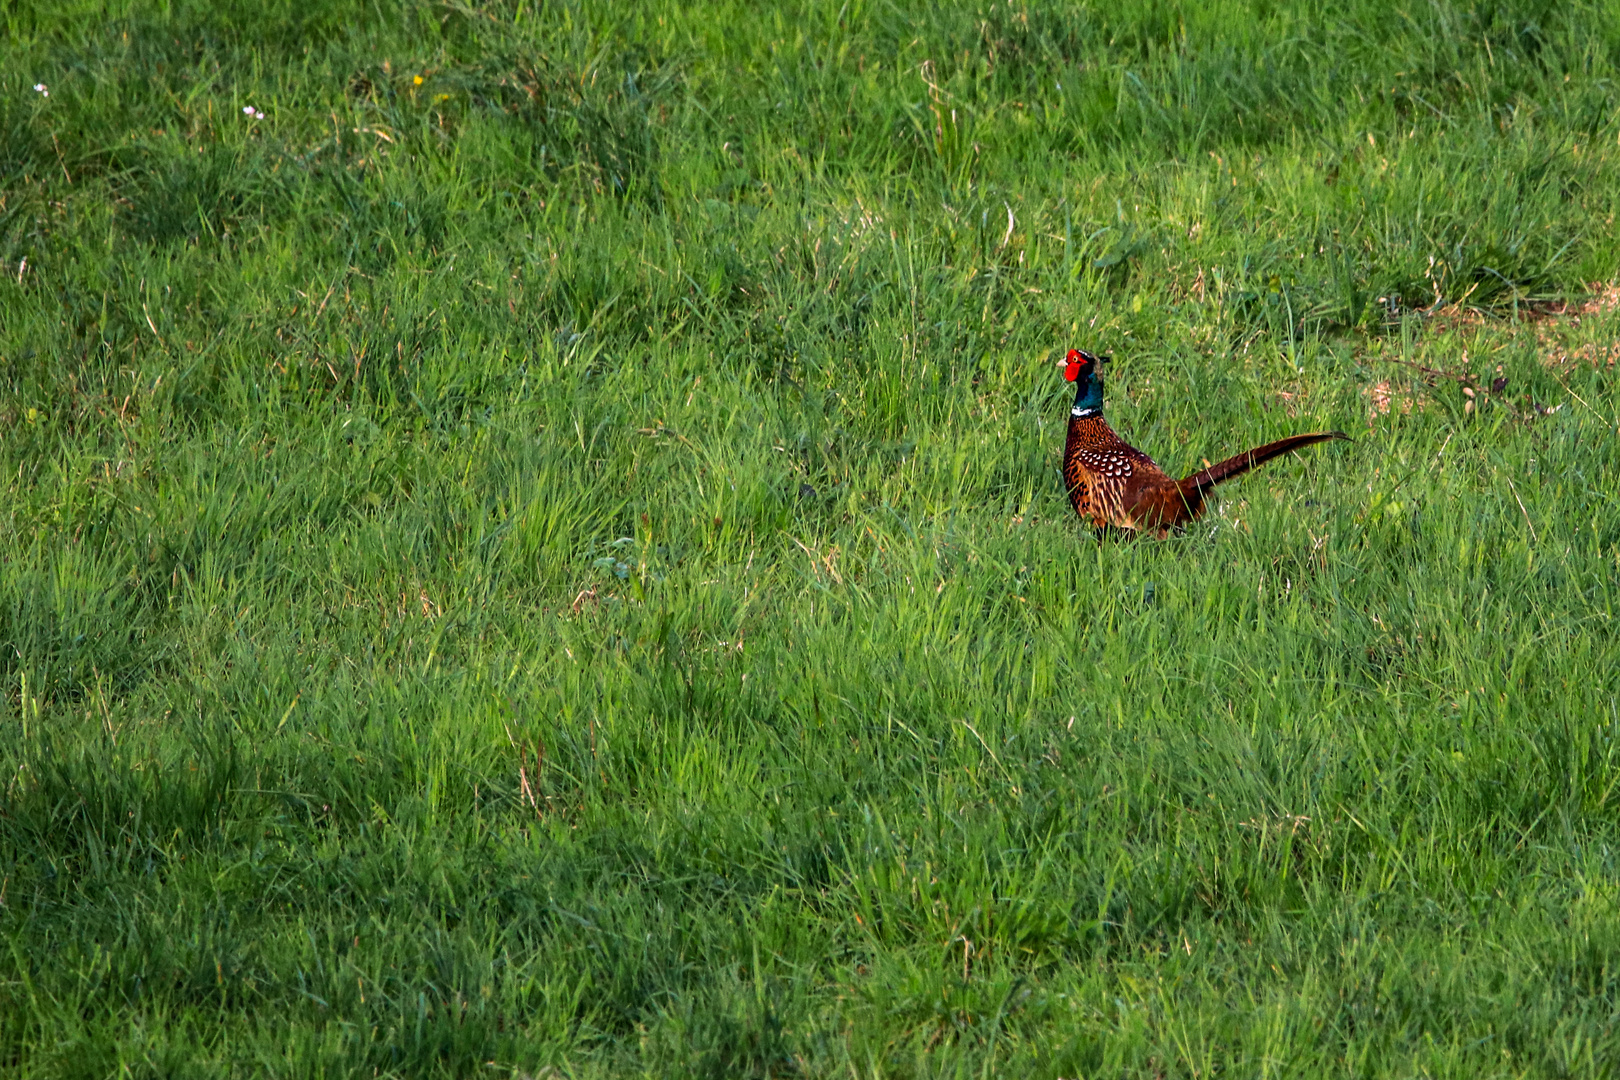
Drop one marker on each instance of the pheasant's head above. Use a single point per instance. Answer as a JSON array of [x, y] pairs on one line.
[[1085, 371]]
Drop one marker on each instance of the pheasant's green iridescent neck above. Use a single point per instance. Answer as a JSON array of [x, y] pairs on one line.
[[1087, 394]]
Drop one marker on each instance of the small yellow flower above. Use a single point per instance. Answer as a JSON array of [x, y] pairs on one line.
[[416, 79], [444, 97]]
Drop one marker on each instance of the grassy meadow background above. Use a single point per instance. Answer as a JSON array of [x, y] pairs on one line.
[[543, 555]]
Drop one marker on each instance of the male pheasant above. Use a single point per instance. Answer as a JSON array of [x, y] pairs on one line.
[[1112, 483]]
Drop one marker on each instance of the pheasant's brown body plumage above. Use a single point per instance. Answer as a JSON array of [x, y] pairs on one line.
[[1111, 482]]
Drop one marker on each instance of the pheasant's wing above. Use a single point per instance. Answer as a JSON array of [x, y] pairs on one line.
[[1109, 476]]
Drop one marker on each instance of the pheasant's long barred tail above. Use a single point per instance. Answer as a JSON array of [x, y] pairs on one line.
[[1239, 464]]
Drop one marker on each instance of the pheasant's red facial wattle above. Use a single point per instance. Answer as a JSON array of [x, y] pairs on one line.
[[1072, 371]]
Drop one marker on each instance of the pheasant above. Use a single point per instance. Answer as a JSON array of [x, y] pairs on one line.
[[1112, 483]]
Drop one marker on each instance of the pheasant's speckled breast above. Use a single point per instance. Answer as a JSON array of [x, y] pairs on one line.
[[1111, 482]]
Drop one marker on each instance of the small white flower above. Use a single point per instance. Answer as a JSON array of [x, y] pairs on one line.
[[40, 88], [258, 115], [247, 110]]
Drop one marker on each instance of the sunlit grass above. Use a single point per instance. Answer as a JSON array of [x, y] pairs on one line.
[[539, 547]]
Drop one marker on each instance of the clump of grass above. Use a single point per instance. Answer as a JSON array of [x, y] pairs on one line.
[[544, 547]]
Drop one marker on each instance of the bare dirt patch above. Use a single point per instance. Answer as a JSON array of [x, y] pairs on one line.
[[1566, 335]]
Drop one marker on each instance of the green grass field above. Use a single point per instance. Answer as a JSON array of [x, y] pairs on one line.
[[543, 553]]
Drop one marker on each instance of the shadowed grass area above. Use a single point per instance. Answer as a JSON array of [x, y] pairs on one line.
[[542, 554]]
